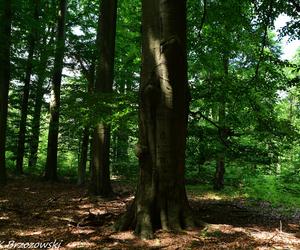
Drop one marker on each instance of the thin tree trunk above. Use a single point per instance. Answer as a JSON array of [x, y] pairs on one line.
[[85, 142], [5, 42], [100, 184], [161, 200], [221, 155], [83, 156], [34, 141], [24, 107], [51, 162]]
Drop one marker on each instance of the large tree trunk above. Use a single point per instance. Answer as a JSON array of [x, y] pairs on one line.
[[51, 162], [5, 41], [222, 131], [100, 179], [24, 107], [161, 200]]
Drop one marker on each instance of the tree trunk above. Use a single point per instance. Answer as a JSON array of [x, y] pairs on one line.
[[161, 200], [100, 180], [24, 107], [90, 77], [221, 155], [51, 162], [83, 156], [5, 42], [34, 140]]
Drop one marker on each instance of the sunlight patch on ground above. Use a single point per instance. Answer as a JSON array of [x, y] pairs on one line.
[[4, 217], [123, 236], [82, 231], [86, 206], [29, 232], [80, 244], [277, 238], [82, 212], [53, 211], [4, 201], [78, 199]]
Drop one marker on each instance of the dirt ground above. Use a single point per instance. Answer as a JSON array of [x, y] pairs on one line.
[[34, 211]]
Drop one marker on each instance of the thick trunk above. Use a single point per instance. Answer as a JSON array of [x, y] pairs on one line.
[[100, 184], [83, 156], [221, 155], [51, 162], [161, 200], [5, 41], [25, 99]]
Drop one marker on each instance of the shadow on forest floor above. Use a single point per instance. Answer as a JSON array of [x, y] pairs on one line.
[[44, 212]]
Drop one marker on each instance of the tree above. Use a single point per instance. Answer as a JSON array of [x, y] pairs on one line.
[[5, 38], [100, 179], [39, 90], [33, 36], [161, 199], [51, 162]]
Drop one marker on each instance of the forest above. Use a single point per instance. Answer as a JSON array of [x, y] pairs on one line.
[[152, 124]]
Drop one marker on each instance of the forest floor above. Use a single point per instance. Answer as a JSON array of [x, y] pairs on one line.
[[33, 212]]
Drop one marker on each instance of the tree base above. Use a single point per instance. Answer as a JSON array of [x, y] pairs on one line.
[[144, 222]]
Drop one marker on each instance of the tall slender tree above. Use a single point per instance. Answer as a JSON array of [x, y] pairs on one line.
[[5, 38], [100, 179], [33, 36], [161, 199], [222, 131], [38, 100], [51, 162]]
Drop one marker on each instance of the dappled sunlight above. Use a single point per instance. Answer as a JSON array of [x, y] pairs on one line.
[[80, 244], [29, 232], [85, 206], [276, 238], [82, 231], [84, 222], [82, 212], [123, 236]]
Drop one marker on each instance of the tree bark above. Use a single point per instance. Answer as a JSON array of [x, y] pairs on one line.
[[35, 125], [161, 200], [24, 107], [221, 155], [5, 43], [83, 156], [100, 179], [51, 162]]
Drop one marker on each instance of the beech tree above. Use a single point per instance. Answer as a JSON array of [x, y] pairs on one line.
[[25, 98], [100, 177], [5, 38], [161, 200], [51, 162]]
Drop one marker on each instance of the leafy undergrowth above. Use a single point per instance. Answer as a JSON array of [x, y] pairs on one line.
[[44, 212]]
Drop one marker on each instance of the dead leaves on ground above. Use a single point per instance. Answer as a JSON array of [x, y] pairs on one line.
[[41, 212]]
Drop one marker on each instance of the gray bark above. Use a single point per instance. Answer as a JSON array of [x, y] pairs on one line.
[[100, 179], [161, 200], [51, 162]]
